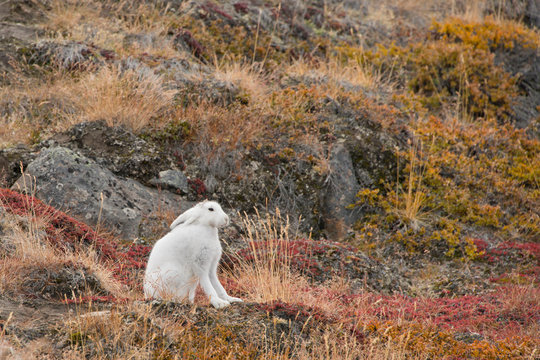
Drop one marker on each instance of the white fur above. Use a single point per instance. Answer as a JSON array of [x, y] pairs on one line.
[[187, 256]]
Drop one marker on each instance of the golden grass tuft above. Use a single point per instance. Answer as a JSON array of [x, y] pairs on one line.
[[246, 77], [218, 131], [520, 299], [108, 24], [126, 98], [65, 15], [30, 107], [338, 344], [128, 330], [409, 204], [336, 74], [269, 276], [132, 98]]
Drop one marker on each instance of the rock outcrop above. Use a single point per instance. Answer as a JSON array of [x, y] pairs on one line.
[[114, 148], [80, 186], [341, 189]]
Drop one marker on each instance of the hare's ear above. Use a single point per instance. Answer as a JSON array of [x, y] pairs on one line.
[[188, 217]]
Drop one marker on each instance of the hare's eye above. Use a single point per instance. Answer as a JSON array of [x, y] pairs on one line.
[[210, 209]]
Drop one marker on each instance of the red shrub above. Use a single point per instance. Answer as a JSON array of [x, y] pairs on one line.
[[241, 7], [61, 228], [66, 232]]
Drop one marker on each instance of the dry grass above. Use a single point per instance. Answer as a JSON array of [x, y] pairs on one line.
[[332, 344], [24, 250], [29, 107], [409, 204], [338, 344], [218, 128], [269, 276], [135, 98], [83, 21], [108, 24], [131, 98], [68, 14], [246, 77], [338, 75], [469, 10], [522, 300], [218, 132], [387, 13], [128, 331]]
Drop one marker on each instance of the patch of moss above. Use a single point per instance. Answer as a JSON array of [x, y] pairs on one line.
[[455, 65], [442, 72], [219, 342], [172, 132], [487, 35], [425, 340]]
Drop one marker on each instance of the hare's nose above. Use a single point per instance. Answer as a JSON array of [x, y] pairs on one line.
[[227, 220]]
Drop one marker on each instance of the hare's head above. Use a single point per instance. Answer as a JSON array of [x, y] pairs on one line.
[[207, 213]]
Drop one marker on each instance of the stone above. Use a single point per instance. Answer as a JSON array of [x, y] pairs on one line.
[[15, 36], [73, 183], [172, 179], [68, 55], [10, 163], [115, 148], [341, 189]]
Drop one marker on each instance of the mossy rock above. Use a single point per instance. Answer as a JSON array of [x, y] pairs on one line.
[[64, 282], [118, 149]]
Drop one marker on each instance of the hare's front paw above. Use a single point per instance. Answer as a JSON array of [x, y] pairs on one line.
[[234, 299], [219, 303]]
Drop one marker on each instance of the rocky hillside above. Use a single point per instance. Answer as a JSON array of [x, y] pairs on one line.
[[380, 161]]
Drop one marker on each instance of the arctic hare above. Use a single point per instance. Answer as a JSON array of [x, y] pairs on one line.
[[188, 255]]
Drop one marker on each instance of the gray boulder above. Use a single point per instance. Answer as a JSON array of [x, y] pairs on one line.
[[17, 32], [115, 148], [172, 179], [75, 184], [341, 189]]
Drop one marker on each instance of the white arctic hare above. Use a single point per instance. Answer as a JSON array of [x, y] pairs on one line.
[[187, 255]]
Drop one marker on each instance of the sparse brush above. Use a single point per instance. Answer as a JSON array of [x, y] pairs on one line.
[[109, 25], [339, 74], [133, 97], [520, 299], [31, 107], [408, 205], [65, 15], [126, 331], [130, 97], [332, 344], [247, 77], [219, 135], [338, 344], [265, 273], [25, 250]]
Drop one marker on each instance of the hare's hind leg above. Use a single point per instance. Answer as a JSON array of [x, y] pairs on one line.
[[203, 273], [193, 290], [173, 283], [209, 290], [222, 293]]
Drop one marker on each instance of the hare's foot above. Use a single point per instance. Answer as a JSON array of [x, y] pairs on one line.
[[233, 299], [219, 303]]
